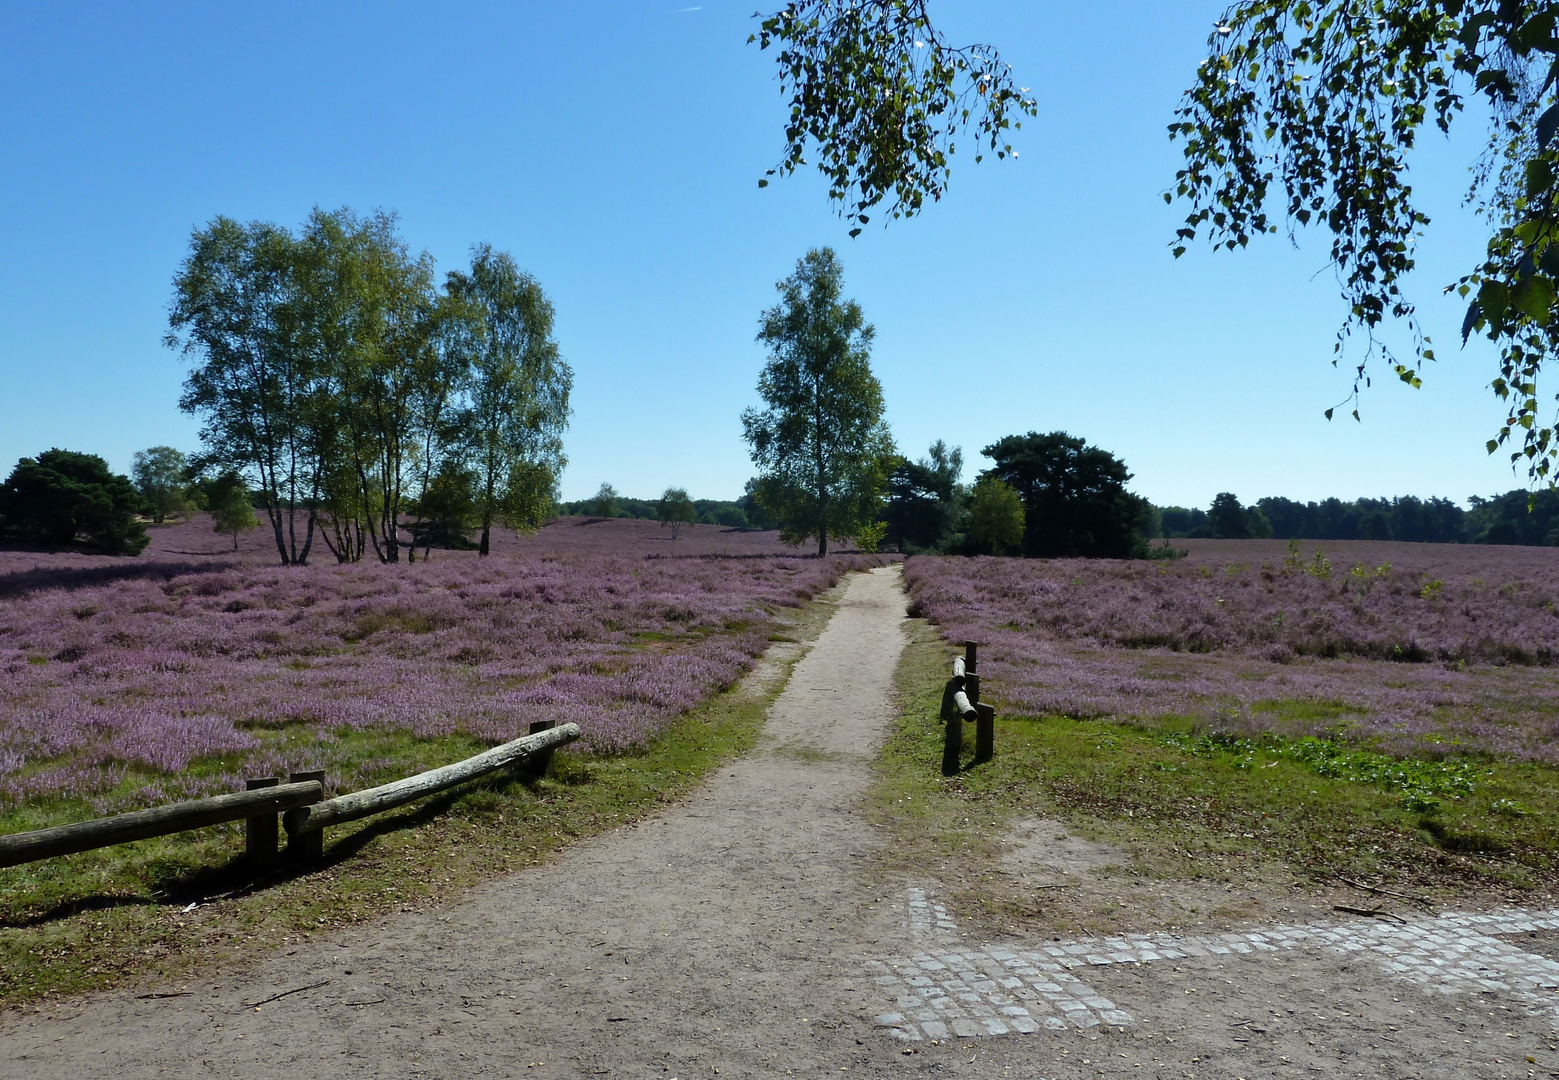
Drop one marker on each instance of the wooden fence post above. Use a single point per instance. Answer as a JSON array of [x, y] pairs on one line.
[[260, 831], [985, 722], [536, 765], [985, 733], [309, 848]]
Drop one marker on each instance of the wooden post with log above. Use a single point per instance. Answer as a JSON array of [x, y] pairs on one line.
[[311, 848], [961, 702], [536, 766], [300, 803], [178, 817], [261, 830], [306, 825]]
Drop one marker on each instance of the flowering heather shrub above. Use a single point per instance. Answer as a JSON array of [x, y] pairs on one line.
[[119, 669], [1420, 647]]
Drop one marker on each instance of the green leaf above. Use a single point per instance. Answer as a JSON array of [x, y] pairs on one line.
[[1539, 177], [1493, 299], [1547, 124]]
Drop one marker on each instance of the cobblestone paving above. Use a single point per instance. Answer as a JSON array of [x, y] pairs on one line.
[[941, 990]]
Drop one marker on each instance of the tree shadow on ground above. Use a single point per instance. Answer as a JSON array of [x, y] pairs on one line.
[[21, 582]]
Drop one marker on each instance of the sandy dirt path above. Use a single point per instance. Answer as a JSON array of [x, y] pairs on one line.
[[737, 936], [723, 935]]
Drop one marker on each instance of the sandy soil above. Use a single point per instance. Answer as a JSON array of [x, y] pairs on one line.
[[734, 936]]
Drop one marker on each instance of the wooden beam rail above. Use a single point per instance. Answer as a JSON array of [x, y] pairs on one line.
[[304, 824], [961, 702], [158, 821]]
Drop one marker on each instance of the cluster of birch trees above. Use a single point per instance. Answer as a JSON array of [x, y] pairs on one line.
[[370, 406]]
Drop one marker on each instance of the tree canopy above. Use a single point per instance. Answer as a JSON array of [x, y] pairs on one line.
[[996, 518], [882, 96], [925, 500], [1074, 497], [676, 509], [228, 501], [1305, 113], [61, 497], [821, 445], [514, 405], [333, 375], [161, 475], [1228, 520]]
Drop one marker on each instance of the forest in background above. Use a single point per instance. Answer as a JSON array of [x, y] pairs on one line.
[[1515, 517]]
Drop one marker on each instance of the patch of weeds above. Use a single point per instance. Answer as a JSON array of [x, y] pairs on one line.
[[1418, 782], [1507, 808]]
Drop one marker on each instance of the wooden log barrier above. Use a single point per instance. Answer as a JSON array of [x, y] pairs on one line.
[[536, 766], [963, 705], [261, 830], [307, 847], [961, 702], [158, 821], [984, 733], [308, 821]]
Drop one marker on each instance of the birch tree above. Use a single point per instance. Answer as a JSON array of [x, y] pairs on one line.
[[515, 392], [821, 445]]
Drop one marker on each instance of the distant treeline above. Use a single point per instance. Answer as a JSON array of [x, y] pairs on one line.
[[1503, 519], [743, 513]]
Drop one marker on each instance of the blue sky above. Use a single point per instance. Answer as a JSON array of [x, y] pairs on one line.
[[614, 149]]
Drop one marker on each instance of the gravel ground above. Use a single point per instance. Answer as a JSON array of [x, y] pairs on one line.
[[736, 935]]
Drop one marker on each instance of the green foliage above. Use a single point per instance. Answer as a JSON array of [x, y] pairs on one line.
[[1164, 552], [996, 520], [514, 408], [1323, 99], [1294, 562], [260, 390], [160, 475], [926, 503], [529, 496], [62, 497], [446, 508], [1228, 520], [1074, 497], [1419, 782], [605, 503], [228, 503], [676, 509], [1430, 521], [333, 375], [1182, 521], [1516, 517], [868, 537], [882, 96], [821, 445]]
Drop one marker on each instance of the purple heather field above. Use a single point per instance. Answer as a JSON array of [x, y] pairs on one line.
[[121, 674], [1421, 648]]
